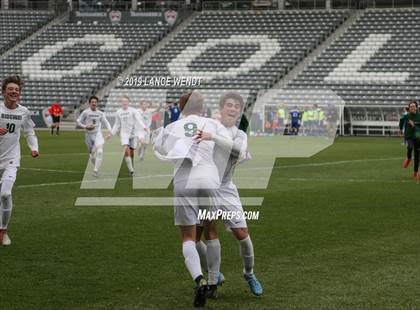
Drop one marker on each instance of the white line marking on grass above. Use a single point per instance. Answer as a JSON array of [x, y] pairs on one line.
[[51, 170], [344, 180], [327, 163], [331, 163], [57, 154], [146, 201]]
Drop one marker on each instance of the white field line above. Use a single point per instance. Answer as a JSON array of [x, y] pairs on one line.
[[147, 201], [50, 170], [338, 180], [321, 164]]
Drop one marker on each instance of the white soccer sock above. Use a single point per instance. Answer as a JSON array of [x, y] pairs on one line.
[[246, 250], [129, 162], [6, 203], [192, 259], [202, 251], [92, 158], [99, 157], [213, 260]]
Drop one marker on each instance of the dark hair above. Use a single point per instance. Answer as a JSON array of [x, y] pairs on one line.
[[12, 79], [191, 102], [231, 95], [413, 101], [93, 97]]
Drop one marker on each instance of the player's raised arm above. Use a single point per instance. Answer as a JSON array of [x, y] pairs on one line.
[[29, 133]]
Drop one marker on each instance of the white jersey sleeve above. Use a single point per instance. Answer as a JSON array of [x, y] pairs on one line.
[[106, 122], [81, 120], [29, 133], [117, 124]]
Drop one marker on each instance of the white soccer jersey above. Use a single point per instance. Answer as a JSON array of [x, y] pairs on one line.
[[15, 120], [97, 118], [238, 153], [227, 196], [127, 122], [146, 116], [176, 142]]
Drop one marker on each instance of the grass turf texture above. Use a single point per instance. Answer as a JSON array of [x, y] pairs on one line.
[[339, 230]]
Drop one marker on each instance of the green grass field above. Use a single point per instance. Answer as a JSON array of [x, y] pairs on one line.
[[340, 230]]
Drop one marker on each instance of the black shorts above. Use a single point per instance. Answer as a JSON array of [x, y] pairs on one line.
[[56, 119], [413, 143]]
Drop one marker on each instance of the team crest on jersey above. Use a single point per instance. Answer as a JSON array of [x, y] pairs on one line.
[[171, 16]]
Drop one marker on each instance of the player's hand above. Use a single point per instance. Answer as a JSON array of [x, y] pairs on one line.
[[202, 135], [147, 129], [108, 136], [34, 154], [3, 131], [411, 123]]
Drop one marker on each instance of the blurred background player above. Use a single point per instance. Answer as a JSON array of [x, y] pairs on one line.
[[330, 119], [13, 118], [92, 119], [146, 113], [294, 121], [407, 132], [127, 124], [403, 125], [167, 114], [56, 112], [230, 106], [412, 141], [281, 114], [195, 179], [175, 111]]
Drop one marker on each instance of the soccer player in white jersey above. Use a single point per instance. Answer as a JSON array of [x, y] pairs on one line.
[[195, 177], [92, 120], [230, 106], [146, 112], [127, 124], [13, 118]]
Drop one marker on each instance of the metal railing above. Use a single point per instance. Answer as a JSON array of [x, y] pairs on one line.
[[126, 5], [57, 6]]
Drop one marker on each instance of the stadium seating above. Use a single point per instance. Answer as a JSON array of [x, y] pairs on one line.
[[376, 61], [16, 25], [240, 49], [68, 62]]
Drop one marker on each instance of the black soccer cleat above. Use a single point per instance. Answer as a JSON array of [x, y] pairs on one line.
[[200, 293], [212, 292]]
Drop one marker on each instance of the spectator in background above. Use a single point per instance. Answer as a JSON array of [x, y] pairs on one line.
[[175, 111], [156, 119], [294, 121], [167, 114], [56, 112], [281, 114], [206, 111]]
